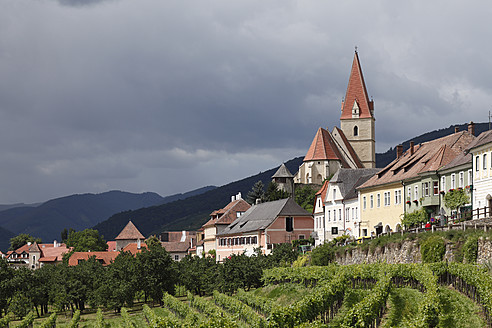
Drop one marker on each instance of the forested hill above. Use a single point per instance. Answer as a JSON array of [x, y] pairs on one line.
[[384, 159], [47, 220], [187, 214], [5, 236]]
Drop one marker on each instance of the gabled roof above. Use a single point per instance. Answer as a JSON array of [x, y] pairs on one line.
[[34, 248], [427, 157], [484, 138], [324, 148], [356, 93], [261, 216], [129, 232], [283, 172], [133, 248], [346, 149], [347, 180], [229, 213]]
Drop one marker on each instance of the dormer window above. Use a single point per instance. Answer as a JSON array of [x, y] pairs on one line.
[[356, 131]]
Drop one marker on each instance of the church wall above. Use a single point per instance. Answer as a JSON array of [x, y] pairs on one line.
[[364, 143]]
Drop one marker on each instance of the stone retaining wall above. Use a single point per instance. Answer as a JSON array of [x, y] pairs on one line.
[[407, 252]]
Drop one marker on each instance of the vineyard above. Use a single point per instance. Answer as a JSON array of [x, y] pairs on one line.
[[401, 295]]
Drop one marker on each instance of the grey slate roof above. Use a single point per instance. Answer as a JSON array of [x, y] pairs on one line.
[[282, 172], [349, 179], [260, 216]]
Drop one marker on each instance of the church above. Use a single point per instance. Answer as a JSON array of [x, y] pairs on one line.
[[353, 145]]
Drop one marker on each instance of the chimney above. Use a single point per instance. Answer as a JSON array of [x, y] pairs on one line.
[[411, 147], [258, 201], [456, 129], [55, 244], [399, 151], [139, 244], [239, 196], [233, 198], [471, 128], [183, 236], [28, 243]]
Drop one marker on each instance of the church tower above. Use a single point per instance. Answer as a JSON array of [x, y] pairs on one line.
[[357, 119]]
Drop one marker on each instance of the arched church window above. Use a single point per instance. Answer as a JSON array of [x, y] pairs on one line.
[[356, 130]]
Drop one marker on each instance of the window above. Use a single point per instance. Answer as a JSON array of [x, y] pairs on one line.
[[334, 194], [387, 196], [425, 189], [416, 193], [329, 215], [453, 181], [470, 181], [477, 163], [340, 214], [409, 193], [397, 197], [484, 161], [379, 200], [372, 201], [356, 216], [353, 213], [347, 214], [364, 232], [302, 237], [289, 224], [364, 202], [334, 215], [461, 182], [443, 183], [334, 230], [436, 187], [176, 257], [356, 131]]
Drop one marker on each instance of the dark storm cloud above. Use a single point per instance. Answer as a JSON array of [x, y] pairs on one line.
[[168, 96]]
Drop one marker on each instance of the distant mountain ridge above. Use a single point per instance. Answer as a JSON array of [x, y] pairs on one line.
[[190, 213], [79, 212]]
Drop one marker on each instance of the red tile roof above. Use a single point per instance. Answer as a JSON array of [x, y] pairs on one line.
[[105, 257], [356, 92], [130, 232], [228, 213], [111, 246], [132, 248], [323, 148], [427, 157]]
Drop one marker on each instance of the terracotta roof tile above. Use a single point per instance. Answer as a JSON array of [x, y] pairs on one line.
[[427, 157], [356, 93], [105, 257], [133, 248], [323, 148], [130, 232]]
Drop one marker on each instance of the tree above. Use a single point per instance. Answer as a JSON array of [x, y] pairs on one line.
[[257, 192], [323, 254], [415, 218], [283, 254], [305, 197], [274, 193], [240, 271], [86, 240], [158, 272], [64, 234], [456, 198], [22, 239], [198, 274]]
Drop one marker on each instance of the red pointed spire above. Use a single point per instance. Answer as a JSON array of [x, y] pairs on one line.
[[323, 148], [356, 100]]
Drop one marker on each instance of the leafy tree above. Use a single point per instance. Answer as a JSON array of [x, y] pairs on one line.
[[22, 239], [198, 274], [456, 198], [257, 192], [83, 282], [6, 290], [240, 271], [120, 283], [283, 254], [86, 240], [414, 218], [305, 197], [64, 234], [158, 272], [274, 193]]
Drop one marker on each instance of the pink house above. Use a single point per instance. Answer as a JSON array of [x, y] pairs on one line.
[[263, 226]]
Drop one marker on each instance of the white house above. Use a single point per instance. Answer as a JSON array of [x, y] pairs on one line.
[[481, 150]]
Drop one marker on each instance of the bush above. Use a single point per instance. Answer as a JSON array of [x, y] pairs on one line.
[[433, 249], [323, 254], [470, 249]]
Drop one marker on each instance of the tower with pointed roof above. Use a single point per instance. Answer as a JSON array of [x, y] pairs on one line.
[[357, 118], [128, 235], [284, 179]]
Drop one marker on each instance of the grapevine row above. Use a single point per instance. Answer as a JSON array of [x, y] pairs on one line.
[[246, 313], [262, 305]]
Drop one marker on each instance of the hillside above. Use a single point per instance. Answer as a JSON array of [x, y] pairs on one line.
[[5, 236], [190, 213]]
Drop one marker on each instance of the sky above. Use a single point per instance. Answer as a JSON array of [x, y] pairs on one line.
[[170, 96]]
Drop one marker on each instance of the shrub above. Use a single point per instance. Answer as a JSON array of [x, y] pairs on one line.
[[323, 254], [433, 249], [470, 249]]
